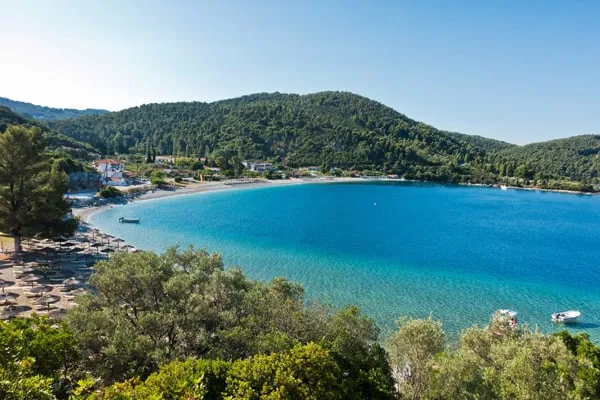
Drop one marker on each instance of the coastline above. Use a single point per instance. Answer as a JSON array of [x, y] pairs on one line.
[[194, 188], [86, 213]]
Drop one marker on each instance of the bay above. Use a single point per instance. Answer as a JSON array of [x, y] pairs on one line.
[[396, 248]]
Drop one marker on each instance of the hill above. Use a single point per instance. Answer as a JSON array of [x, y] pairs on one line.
[[576, 158], [482, 143], [56, 142], [29, 110], [337, 128]]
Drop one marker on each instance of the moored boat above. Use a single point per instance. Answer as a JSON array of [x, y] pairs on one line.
[[124, 220], [566, 317]]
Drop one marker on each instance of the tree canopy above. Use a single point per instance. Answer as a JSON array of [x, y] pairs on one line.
[[31, 187], [334, 129], [151, 309]]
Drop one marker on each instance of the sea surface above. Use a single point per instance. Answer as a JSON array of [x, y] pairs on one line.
[[455, 252]]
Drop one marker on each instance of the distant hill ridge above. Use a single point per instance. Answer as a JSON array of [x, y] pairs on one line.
[[29, 110], [56, 141], [339, 129]]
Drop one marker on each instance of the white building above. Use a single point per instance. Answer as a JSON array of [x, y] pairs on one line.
[[112, 172], [258, 167]]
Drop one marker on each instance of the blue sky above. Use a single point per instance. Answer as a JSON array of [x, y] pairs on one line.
[[508, 70]]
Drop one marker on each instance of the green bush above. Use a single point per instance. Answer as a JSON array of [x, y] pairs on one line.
[[109, 191]]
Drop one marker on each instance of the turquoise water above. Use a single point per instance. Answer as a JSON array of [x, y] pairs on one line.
[[396, 249]]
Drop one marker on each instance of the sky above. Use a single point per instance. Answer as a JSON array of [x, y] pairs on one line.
[[516, 71]]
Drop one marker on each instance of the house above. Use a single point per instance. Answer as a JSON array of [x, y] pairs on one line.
[[163, 159], [112, 172], [258, 167]]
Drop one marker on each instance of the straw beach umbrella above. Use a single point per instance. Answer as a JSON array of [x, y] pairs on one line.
[[127, 248], [58, 313], [7, 314], [46, 300], [39, 290], [24, 270], [7, 297], [4, 284], [118, 241], [107, 251], [30, 278]]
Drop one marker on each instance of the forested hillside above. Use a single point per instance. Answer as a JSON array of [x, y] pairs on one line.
[[576, 157], [56, 142], [482, 143], [341, 129], [336, 129], [29, 110]]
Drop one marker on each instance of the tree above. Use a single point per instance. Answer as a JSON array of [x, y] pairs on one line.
[[38, 358], [411, 349], [352, 338], [150, 309], [520, 365], [31, 190], [304, 372]]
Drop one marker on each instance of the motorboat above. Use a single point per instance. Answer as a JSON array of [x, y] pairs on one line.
[[503, 187], [124, 220], [566, 317]]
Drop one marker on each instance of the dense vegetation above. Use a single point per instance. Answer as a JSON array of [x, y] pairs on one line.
[[332, 129], [29, 110], [576, 158], [339, 129], [32, 187], [181, 326], [62, 146]]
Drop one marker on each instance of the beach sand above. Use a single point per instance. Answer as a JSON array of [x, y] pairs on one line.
[[192, 188]]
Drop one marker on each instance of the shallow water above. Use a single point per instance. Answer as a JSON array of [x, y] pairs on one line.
[[396, 249]]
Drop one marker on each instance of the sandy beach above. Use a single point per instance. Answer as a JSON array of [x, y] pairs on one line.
[[193, 188]]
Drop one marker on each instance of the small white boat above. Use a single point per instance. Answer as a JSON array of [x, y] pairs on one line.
[[124, 220], [566, 317], [503, 187]]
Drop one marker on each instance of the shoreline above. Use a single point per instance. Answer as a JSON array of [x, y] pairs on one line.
[[86, 213]]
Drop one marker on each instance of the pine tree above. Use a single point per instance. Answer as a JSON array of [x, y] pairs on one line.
[[31, 188]]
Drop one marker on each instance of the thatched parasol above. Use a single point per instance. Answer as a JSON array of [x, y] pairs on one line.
[[4, 284], [39, 290], [30, 278], [7, 297], [47, 299]]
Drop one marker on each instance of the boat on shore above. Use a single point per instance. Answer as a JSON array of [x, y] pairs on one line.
[[124, 220], [566, 317]]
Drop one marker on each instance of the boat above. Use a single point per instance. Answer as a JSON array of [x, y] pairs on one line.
[[124, 220], [566, 317], [503, 187]]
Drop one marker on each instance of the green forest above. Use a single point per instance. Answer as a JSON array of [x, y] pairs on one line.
[[59, 144], [330, 130], [336, 129]]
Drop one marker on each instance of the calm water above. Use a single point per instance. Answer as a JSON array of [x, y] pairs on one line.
[[396, 249]]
